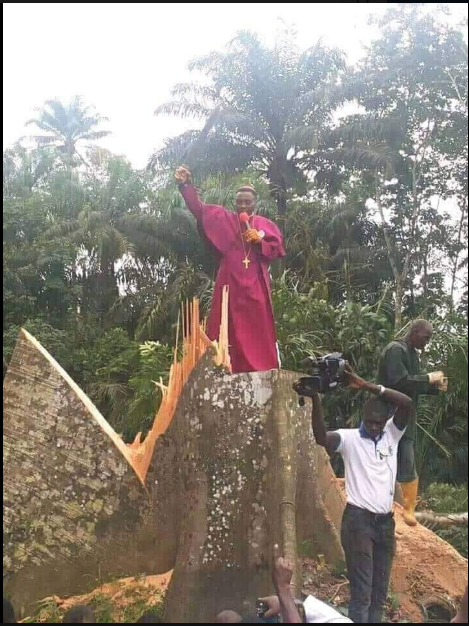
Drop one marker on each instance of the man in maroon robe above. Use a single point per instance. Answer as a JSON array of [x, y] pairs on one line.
[[244, 251]]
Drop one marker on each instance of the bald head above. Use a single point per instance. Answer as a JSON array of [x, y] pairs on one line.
[[420, 334]]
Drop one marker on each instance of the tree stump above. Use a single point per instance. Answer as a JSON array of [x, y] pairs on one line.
[[236, 471]]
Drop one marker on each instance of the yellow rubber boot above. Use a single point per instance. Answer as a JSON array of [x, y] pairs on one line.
[[410, 491]]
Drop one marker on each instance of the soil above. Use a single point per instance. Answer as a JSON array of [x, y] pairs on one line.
[[426, 569]]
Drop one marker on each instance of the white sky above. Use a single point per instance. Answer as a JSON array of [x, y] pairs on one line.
[[124, 58]]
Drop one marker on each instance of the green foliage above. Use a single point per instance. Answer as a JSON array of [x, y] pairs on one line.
[[65, 126], [53, 339], [263, 108], [444, 498], [442, 445], [120, 377], [98, 256], [103, 609]]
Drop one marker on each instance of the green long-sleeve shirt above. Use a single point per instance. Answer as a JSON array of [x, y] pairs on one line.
[[399, 368]]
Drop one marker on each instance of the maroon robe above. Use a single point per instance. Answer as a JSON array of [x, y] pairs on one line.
[[251, 326]]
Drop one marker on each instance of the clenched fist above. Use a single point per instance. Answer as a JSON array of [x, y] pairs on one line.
[[183, 175], [253, 236]]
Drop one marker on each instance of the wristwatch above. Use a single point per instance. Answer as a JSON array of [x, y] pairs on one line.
[[382, 390]]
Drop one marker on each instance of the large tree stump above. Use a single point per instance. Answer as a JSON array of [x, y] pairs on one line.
[[236, 466], [236, 471], [75, 512], [249, 471]]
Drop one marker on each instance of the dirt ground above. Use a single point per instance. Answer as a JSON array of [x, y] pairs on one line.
[[426, 568]]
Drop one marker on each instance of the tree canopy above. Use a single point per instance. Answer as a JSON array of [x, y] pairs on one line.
[[371, 198]]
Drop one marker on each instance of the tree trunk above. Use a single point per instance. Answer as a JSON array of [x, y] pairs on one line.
[[456, 260], [425, 283], [399, 276], [250, 472], [236, 471], [399, 304]]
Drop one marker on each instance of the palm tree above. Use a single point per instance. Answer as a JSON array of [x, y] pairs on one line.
[[268, 109], [67, 125], [261, 106]]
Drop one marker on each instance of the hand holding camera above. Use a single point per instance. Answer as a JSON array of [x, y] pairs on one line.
[[328, 373]]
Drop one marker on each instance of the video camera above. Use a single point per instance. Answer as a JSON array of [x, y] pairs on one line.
[[327, 373]]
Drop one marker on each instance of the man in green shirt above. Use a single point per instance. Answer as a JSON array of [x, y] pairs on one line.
[[399, 368]]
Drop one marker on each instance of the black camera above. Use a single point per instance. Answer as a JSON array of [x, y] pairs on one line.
[[327, 373], [261, 610]]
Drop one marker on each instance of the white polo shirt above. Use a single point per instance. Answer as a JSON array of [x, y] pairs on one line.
[[318, 612], [370, 467]]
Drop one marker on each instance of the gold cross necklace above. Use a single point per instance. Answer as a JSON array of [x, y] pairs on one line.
[[247, 253]]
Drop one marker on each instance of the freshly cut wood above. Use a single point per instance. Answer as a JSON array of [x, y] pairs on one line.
[[195, 344]]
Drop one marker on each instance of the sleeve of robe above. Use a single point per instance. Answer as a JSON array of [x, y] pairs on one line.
[[214, 222], [272, 244]]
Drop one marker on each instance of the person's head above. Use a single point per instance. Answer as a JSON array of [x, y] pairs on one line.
[[79, 614], [375, 416], [229, 617], [420, 334], [246, 200], [150, 618], [8, 612]]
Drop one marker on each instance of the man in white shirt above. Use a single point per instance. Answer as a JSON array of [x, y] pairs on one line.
[[370, 458]]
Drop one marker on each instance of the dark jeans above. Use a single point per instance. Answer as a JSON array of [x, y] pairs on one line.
[[369, 544]]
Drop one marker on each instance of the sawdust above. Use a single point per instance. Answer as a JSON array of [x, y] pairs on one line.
[[122, 598]]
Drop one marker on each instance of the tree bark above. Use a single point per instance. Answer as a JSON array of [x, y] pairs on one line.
[[399, 303], [249, 477]]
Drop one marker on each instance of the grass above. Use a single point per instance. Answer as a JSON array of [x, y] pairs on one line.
[[444, 498], [103, 608], [47, 612]]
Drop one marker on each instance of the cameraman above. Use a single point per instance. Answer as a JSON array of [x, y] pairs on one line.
[[370, 459]]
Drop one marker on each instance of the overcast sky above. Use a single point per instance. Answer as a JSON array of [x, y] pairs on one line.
[[124, 58]]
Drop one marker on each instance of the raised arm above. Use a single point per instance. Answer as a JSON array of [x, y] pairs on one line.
[[399, 400], [282, 575], [329, 441], [184, 179]]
